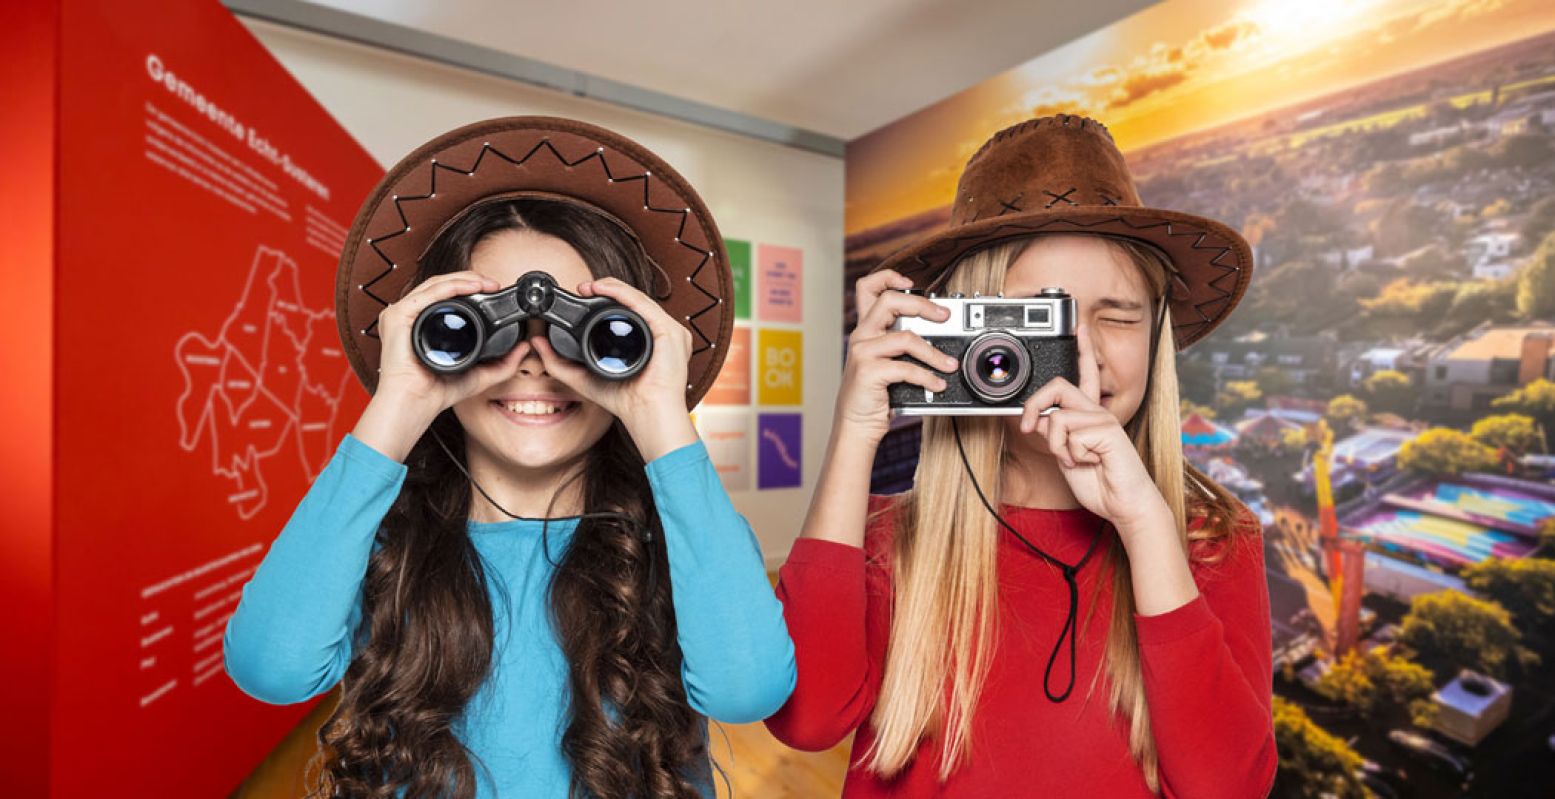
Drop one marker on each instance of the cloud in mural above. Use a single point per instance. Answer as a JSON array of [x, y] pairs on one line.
[[1163, 66], [263, 392]]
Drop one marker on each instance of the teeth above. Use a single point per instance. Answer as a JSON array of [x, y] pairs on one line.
[[533, 408]]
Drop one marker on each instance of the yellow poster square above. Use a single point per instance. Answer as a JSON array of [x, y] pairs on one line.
[[779, 367]]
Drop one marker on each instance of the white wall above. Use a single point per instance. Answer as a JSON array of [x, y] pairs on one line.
[[757, 191]]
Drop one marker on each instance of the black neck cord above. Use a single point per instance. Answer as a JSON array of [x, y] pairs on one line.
[[644, 530], [1069, 630]]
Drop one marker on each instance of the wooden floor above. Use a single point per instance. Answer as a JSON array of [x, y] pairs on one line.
[[758, 767]]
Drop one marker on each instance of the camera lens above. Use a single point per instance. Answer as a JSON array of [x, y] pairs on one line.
[[617, 344], [447, 335], [996, 367]]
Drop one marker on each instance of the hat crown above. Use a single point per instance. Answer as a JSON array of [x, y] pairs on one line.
[[560, 160], [1051, 162]]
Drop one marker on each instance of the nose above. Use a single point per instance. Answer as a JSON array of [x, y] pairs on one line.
[[531, 365]]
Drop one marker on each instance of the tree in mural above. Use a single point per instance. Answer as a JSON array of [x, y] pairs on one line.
[[1390, 390], [1536, 282], [1445, 451], [1237, 396], [1189, 407], [1313, 762], [1536, 399], [1389, 690], [1448, 631], [1345, 413], [1514, 431], [1524, 586]]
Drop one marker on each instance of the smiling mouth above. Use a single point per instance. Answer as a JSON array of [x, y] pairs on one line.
[[536, 412]]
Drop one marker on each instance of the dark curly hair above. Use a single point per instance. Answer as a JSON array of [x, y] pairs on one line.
[[425, 643]]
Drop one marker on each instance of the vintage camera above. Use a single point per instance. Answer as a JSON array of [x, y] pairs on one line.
[[1007, 348], [455, 334]]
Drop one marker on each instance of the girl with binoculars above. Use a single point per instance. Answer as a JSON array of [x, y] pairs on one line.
[[486, 564]]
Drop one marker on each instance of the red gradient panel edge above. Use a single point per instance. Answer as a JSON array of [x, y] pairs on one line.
[[204, 195], [29, 32]]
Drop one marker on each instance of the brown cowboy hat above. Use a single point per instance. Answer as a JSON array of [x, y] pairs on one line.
[[1064, 174], [551, 158]]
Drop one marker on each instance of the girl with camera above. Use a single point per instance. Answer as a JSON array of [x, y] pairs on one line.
[[1061, 605], [486, 564]]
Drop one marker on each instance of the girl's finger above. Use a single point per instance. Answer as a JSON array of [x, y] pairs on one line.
[[1057, 436], [1090, 379], [887, 373], [869, 287], [429, 293], [1062, 393], [659, 321], [1031, 415], [906, 342], [570, 374], [891, 305], [1079, 450]]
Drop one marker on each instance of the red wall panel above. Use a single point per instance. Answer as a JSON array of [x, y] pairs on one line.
[[203, 197]]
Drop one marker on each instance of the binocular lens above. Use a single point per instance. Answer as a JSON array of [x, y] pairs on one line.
[[449, 336], [617, 344]]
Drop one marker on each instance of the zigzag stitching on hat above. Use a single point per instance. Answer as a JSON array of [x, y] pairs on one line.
[[1199, 236], [712, 300], [545, 143]]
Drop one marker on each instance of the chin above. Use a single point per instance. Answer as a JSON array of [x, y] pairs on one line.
[[535, 438]]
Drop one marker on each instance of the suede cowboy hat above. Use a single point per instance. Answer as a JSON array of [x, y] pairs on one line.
[[1064, 174], [545, 157]]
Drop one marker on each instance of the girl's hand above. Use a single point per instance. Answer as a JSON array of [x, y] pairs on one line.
[[652, 403], [863, 406], [409, 395], [401, 374], [1094, 452]]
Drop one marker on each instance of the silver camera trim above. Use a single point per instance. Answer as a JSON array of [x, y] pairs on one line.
[[963, 311]]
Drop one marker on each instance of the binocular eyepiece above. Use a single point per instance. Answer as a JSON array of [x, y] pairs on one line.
[[609, 339]]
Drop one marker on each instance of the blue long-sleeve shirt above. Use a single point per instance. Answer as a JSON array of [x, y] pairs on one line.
[[290, 637]]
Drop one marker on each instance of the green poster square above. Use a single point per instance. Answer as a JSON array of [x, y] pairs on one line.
[[740, 265]]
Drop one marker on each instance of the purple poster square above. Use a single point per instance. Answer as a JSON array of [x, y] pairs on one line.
[[778, 444]]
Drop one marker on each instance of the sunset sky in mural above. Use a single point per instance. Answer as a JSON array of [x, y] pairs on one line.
[[1174, 68]]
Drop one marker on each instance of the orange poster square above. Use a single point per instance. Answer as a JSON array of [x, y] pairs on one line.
[[733, 384]]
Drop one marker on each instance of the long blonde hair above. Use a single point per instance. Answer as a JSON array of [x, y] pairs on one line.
[[944, 559]]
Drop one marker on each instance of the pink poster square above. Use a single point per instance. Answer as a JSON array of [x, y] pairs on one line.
[[780, 284]]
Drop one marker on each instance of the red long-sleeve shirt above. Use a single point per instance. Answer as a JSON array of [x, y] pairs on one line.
[[1206, 668]]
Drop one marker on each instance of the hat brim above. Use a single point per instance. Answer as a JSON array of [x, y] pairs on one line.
[[544, 157], [1211, 263]]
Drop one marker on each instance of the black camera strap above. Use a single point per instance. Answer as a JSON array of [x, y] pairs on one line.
[[1070, 629]]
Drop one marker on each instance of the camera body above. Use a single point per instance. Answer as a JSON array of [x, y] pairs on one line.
[[453, 335], [1007, 347]]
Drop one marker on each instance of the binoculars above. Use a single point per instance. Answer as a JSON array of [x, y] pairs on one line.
[[455, 334]]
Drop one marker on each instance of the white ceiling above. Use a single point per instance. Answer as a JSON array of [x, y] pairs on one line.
[[836, 67]]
